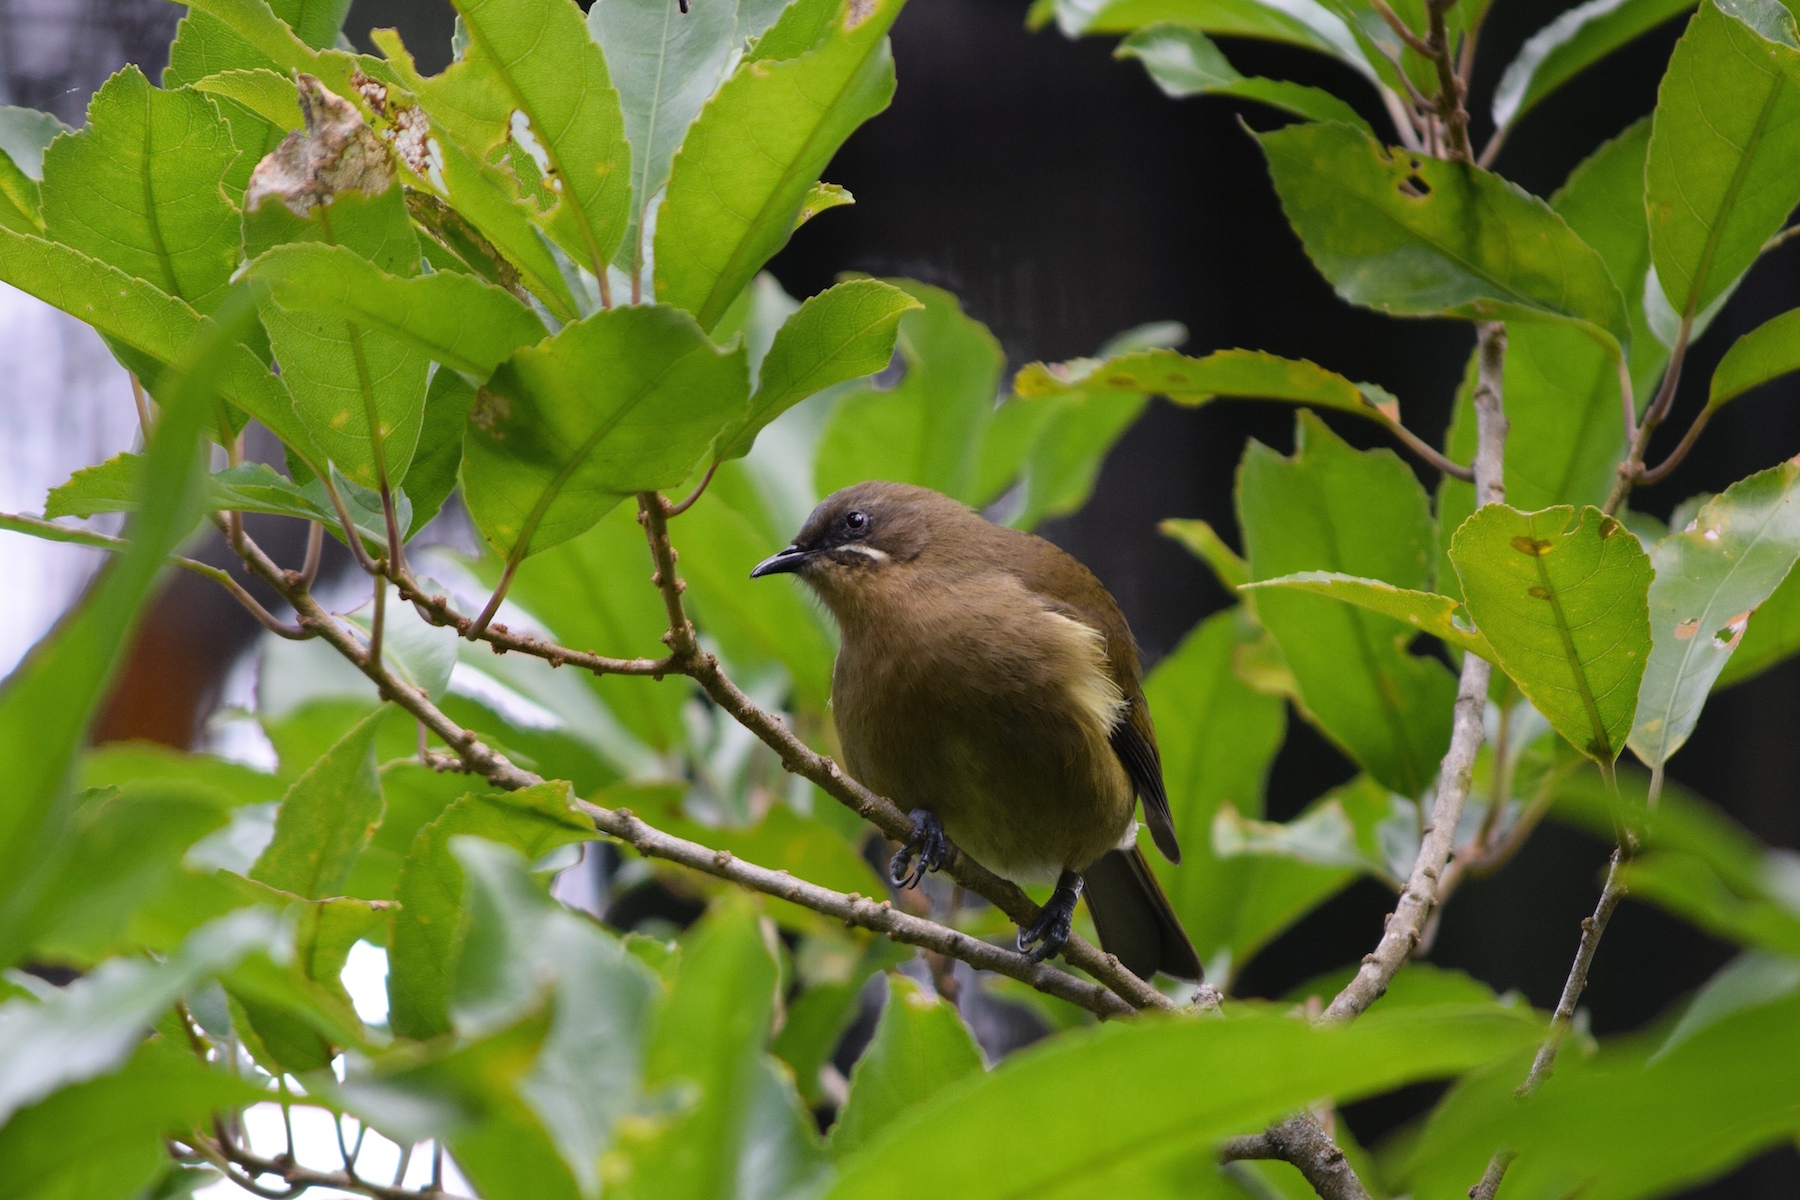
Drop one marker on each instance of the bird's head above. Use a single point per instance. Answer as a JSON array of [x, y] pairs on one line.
[[858, 537]]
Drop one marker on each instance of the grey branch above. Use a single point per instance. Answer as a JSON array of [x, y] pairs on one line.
[[860, 911], [1302, 1141]]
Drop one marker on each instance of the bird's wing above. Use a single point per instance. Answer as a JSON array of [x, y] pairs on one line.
[[1134, 741], [1072, 588]]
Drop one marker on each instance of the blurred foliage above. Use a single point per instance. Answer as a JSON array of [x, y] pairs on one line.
[[531, 286]]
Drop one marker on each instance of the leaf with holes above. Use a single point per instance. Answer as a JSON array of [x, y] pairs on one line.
[[1184, 62], [1710, 578], [1565, 610], [1332, 508], [627, 400], [1720, 177], [1416, 236], [748, 162]]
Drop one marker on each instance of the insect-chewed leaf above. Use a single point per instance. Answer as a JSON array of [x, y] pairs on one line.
[[1710, 578], [1566, 613], [1418, 236]]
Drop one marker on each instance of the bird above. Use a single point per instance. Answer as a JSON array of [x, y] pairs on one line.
[[988, 683]]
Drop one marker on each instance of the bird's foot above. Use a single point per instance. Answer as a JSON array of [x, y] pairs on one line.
[[1051, 930], [925, 850]]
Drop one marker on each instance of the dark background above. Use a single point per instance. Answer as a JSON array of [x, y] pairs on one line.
[[1064, 199]]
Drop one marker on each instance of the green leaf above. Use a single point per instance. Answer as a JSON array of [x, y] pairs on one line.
[[1562, 389], [1251, 374], [473, 1099], [25, 133], [627, 400], [1426, 612], [427, 931], [1389, 709], [1206, 544], [666, 63], [1305, 24], [594, 591], [1720, 177], [841, 333], [929, 428], [1016, 1133], [1183, 62], [326, 818], [125, 848], [1748, 981], [749, 160], [710, 1035], [103, 1139], [822, 197], [91, 1026], [268, 95], [48, 701], [1361, 826], [317, 22], [519, 941], [138, 187], [1576, 40], [1566, 613], [535, 58], [1624, 1125], [1767, 352], [1218, 738], [437, 463], [359, 390], [1773, 635], [457, 320], [156, 325], [1710, 578], [1756, 911], [1416, 236], [481, 193], [920, 1047]]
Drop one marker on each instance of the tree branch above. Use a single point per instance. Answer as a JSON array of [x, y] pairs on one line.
[[877, 917], [225, 1154], [1407, 922], [1302, 1141], [800, 759]]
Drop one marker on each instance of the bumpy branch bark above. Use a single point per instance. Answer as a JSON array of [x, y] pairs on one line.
[[1302, 1141], [876, 916], [1407, 922]]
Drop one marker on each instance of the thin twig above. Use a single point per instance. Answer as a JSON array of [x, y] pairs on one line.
[[1406, 923], [1631, 471], [801, 759], [1592, 928], [315, 549], [1406, 124], [1430, 453], [396, 556], [143, 406], [675, 510], [379, 620], [1418, 44], [1450, 86], [868, 914], [351, 534], [1781, 239], [227, 1154], [481, 622]]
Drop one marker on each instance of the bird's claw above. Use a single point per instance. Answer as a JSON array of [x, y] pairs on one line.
[[925, 850], [1045, 937]]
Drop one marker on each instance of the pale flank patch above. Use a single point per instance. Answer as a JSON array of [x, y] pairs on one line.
[[1091, 685]]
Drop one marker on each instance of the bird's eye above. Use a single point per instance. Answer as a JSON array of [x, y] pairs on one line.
[[856, 522]]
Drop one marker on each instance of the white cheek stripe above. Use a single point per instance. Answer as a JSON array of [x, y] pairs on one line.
[[868, 552]]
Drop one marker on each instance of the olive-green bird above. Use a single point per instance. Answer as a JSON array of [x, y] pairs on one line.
[[989, 683]]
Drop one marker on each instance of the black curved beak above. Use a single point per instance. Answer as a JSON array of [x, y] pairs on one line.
[[784, 563]]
